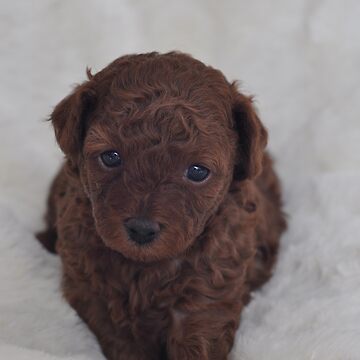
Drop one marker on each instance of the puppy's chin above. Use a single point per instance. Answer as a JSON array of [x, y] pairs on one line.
[[159, 249]]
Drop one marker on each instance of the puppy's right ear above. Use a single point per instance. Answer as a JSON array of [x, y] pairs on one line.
[[252, 137], [70, 118]]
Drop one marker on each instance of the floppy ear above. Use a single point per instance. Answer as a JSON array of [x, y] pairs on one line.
[[252, 137], [70, 118]]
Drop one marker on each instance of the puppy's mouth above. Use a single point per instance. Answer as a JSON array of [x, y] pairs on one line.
[[143, 239], [153, 248], [140, 240], [145, 252]]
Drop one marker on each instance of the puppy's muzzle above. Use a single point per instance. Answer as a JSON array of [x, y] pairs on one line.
[[141, 230]]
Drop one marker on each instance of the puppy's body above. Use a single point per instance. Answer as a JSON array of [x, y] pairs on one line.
[[180, 296]]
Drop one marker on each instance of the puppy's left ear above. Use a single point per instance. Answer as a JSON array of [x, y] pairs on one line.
[[252, 137], [70, 118]]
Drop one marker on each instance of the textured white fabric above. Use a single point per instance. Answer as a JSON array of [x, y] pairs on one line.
[[300, 58]]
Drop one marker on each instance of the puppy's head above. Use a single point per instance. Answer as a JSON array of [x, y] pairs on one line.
[[156, 141]]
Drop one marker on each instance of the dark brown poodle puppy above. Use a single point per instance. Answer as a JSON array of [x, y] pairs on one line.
[[167, 212]]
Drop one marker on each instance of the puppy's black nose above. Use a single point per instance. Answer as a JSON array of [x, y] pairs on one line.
[[141, 230]]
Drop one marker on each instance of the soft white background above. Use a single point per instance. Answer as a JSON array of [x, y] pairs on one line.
[[301, 58]]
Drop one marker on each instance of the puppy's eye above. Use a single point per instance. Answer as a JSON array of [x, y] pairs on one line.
[[110, 158], [197, 173]]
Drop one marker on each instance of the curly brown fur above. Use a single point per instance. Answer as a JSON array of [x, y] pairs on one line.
[[179, 296]]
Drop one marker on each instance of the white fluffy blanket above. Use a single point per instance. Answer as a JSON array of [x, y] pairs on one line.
[[301, 58]]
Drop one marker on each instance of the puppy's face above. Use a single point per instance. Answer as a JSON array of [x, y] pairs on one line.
[[157, 149], [154, 179]]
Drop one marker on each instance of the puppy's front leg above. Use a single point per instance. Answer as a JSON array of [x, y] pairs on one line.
[[206, 335]]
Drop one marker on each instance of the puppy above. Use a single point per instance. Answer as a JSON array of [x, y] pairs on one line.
[[167, 212]]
